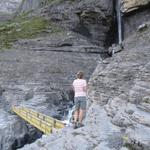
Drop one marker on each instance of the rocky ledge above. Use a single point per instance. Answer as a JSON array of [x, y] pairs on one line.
[[129, 6]]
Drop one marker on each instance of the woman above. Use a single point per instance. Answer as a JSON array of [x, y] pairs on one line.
[[80, 89]]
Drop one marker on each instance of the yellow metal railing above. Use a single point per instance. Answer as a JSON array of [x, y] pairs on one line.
[[44, 123]]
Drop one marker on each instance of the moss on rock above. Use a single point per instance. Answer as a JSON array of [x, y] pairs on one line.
[[22, 28], [48, 2]]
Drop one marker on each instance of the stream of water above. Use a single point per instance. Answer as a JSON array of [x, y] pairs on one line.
[[69, 118], [119, 21]]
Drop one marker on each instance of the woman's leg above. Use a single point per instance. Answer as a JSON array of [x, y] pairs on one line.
[[76, 112], [76, 115], [82, 109], [81, 115], [76, 118]]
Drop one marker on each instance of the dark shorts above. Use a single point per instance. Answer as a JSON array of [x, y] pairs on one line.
[[80, 102]]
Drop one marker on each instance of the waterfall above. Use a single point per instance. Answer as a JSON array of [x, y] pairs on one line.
[[69, 119], [119, 21]]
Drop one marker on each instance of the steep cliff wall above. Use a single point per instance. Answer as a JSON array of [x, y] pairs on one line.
[[93, 19]]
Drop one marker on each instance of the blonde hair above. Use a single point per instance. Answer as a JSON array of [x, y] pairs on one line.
[[80, 75]]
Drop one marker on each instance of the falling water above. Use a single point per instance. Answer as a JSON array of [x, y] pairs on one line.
[[119, 21], [68, 121]]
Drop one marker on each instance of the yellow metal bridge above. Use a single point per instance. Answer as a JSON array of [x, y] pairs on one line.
[[44, 123]]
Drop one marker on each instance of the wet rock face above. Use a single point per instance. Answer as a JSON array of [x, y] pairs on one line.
[[121, 85]]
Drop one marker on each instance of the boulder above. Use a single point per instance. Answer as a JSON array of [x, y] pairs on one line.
[[14, 133], [128, 6]]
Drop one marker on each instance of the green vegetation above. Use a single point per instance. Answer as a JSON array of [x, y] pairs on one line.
[[22, 28], [146, 100], [51, 2], [129, 146], [47, 2]]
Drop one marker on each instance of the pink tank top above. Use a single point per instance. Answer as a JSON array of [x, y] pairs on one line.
[[79, 85]]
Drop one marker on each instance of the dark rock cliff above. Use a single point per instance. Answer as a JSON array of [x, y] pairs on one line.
[[92, 19]]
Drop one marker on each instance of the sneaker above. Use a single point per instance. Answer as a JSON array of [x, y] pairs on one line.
[[80, 125], [75, 125]]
